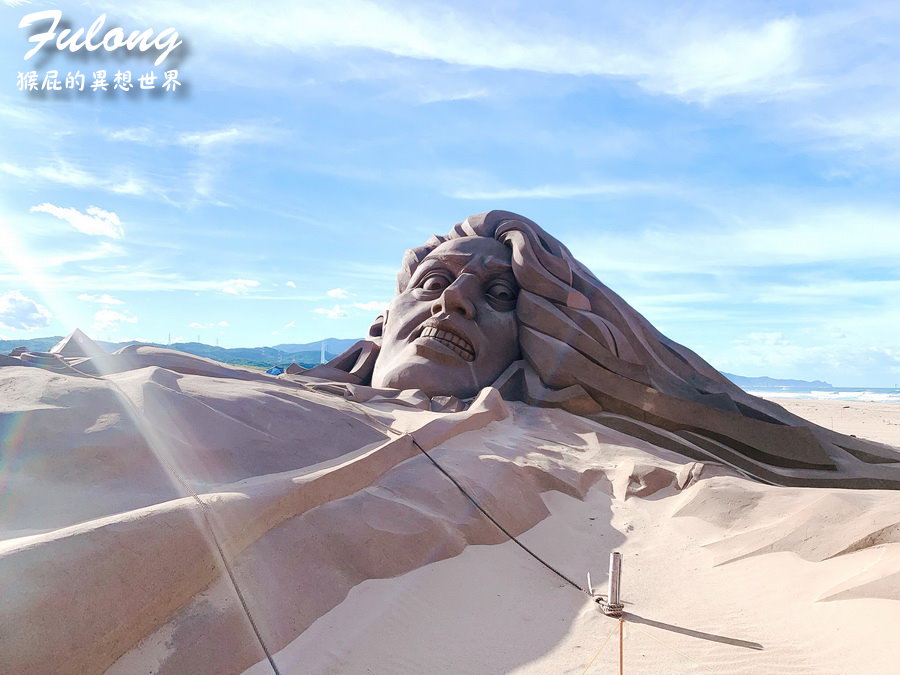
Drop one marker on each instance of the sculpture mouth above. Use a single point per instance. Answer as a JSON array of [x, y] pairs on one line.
[[448, 338]]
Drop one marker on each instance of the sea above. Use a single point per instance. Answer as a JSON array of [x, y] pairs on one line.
[[891, 395]]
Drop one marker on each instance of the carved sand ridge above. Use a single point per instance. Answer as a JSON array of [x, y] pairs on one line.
[[353, 553]]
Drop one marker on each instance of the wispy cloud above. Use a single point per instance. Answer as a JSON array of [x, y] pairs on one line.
[[212, 324], [700, 59], [830, 291], [103, 299], [94, 221], [434, 96], [201, 141], [372, 306], [58, 172], [766, 234], [131, 134], [338, 293], [65, 173], [18, 311], [600, 189], [763, 353], [238, 286], [224, 137], [335, 312], [110, 319]]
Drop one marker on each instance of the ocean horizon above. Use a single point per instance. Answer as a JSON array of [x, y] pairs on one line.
[[874, 394]]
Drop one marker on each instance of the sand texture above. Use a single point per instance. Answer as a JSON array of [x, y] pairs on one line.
[[145, 509], [873, 420]]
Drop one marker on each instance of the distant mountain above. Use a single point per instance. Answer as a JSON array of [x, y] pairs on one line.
[[336, 345], [744, 382], [306, 355], [41, 344]]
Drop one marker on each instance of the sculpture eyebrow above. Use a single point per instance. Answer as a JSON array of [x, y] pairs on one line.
[[494, 266]]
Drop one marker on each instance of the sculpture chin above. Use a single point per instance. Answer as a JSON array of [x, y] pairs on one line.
[[433, 368]]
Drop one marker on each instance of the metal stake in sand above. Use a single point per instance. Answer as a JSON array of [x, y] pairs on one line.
[[613, 605]]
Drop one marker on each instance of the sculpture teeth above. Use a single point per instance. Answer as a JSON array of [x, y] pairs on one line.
[[460, 345]]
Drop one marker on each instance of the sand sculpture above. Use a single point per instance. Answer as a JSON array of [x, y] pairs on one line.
[[546, 331], [166, 513]]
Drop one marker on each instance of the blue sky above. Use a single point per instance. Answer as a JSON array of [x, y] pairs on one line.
[[731, 169]]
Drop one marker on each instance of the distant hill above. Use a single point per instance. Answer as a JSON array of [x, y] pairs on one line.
[[41, 344], [336, 345], [307, 355], [765, 382]]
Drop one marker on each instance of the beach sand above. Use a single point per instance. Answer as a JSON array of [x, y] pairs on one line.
[[876, 421], [353, 553], [726, 575]]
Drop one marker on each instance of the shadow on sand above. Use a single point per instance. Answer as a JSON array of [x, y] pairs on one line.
[[635, 618]]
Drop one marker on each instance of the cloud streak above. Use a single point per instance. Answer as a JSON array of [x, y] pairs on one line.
[[699, 60], [94, 221], [239, 286]]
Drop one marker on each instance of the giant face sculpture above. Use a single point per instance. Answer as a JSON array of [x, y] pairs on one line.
[[498, 289], [453, 329]]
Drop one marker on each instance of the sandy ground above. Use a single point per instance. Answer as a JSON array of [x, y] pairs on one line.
[[125, 496], [875, 421], [727, 575]]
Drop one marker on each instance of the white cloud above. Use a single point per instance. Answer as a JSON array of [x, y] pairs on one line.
[[108, 318], [60, 171], [373, 306], [95, 221], [336, 312], [698, 57], [132, 134], [715, 61], [760, 233], [131, 186], [18, 311], [338, 293], [14, 170], [103, 299], [239, 286], [227, 136], [212, 324], [842, 365], [828, 291], [65, 173], [290, 324], [290, 284], [445, 97], [603, 189]]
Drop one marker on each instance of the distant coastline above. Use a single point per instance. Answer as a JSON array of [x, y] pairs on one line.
[[311, 353], [767, 382]]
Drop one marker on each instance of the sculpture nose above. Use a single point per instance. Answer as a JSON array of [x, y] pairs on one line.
[[458, 297]]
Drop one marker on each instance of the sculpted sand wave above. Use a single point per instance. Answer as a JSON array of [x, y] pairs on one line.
[[305, 522]]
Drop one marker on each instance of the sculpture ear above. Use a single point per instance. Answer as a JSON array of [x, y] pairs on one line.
[[376, 330]]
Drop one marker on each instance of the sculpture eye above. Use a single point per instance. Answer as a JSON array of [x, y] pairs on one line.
[[502, 294], [435, 282]]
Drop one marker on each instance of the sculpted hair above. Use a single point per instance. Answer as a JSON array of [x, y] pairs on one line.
[[586, 350]]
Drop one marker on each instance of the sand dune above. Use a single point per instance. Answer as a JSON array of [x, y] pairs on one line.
[[128, 494]]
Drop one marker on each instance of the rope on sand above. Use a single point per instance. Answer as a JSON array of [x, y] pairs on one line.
[[597, 653], [468, 496]]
